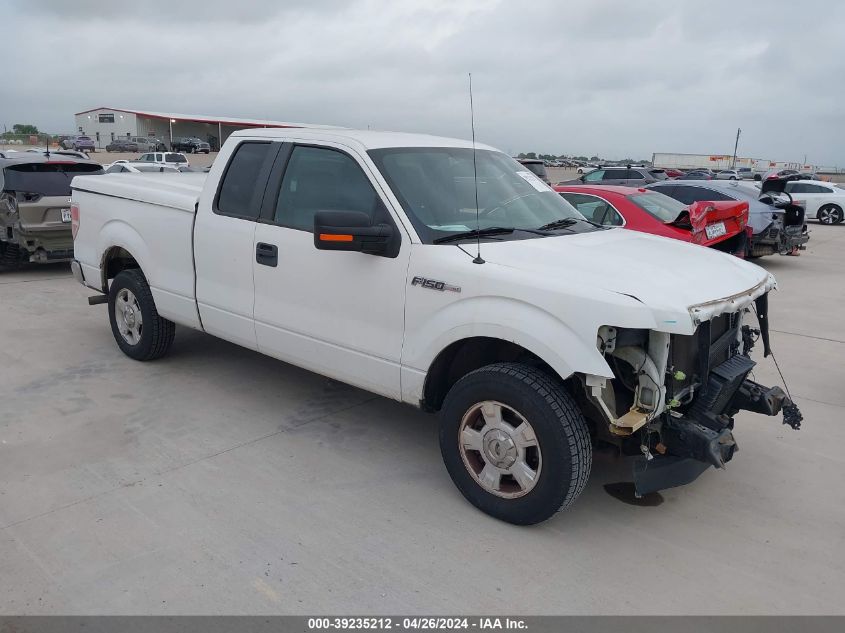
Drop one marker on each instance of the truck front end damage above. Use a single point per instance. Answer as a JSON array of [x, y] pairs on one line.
[[673, 397]]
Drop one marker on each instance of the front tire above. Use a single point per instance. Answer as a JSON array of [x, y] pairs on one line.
[[515, 443], [140, 332], [830, 214]]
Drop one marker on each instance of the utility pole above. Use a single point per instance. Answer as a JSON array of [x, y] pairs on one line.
[[736, 144]]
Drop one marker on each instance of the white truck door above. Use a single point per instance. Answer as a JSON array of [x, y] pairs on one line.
[[340, 314], [224, 243]]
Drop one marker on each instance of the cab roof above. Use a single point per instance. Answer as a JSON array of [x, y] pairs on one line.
[[366, 139]]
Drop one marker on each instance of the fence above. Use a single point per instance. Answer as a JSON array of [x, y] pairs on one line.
[[27, 141]]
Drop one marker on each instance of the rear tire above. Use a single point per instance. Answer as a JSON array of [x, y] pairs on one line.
[[140, 332], [11, 257], [515, 443], [830, 214]]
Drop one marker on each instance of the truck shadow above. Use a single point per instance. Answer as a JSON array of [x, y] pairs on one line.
[[339, 416]]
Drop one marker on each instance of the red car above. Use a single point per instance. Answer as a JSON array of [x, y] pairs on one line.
[[721, 225], [673, 173]]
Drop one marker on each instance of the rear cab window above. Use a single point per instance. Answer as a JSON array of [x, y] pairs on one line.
[[175, 158], [243, 182]]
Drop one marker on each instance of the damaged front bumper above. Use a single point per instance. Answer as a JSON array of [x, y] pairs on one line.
[[703, 437], [692, 439], [681, 392]]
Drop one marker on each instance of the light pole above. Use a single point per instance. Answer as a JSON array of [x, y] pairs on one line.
[[736, 144], [172, 121]]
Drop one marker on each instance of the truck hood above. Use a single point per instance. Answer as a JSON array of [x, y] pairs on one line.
[[669, 276]]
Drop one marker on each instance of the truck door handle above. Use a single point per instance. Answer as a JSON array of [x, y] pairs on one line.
[[267, 254]]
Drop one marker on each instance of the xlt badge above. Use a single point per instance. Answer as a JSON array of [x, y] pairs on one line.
[[433, 284]]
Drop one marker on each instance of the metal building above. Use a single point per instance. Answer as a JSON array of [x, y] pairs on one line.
[[106, 124]]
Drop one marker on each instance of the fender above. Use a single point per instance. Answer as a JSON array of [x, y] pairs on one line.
[[516, 321], [174, 291], [119, 234]]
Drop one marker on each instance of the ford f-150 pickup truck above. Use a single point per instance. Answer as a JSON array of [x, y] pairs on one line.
[[450, 278]]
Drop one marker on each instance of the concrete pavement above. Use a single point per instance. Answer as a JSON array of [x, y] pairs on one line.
[[220, 481]]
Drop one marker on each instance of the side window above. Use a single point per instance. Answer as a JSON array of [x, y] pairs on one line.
[[615, 174], [797, 187], [240, 189], [688, 195], [594, 176], [322, 179], [716, 196], [594, 209], [817, 189], [666, 190]]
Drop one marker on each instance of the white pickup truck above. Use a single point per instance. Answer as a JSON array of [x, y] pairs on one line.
[[355, 254]]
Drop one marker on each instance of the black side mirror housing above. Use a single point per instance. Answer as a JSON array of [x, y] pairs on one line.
[[353, 231]]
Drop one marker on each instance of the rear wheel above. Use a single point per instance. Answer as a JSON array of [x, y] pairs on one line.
[[136, 325], [11, 256], [515, 443], [830, 214]]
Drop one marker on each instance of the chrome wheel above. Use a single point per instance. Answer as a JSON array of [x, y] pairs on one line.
[[499, 449], [127, 313]]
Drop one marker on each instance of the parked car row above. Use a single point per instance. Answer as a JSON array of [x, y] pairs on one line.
[[133, 144]]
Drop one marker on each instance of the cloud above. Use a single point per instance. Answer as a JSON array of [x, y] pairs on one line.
[[604, 77]]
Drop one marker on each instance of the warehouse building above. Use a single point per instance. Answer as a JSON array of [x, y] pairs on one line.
[[106, 124]]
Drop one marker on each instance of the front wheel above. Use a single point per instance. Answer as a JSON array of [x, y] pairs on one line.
[[515, 443], [830, 214], [136, 325]]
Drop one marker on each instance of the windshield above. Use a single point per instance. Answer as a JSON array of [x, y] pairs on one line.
[[537, 168], [436, 188], [46, 179], [658, 206]]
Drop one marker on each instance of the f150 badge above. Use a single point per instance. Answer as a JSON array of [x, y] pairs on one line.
[[433, 284]]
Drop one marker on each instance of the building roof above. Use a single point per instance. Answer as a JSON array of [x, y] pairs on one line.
[[203, 118]]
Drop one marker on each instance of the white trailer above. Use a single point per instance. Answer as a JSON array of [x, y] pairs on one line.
[[665, 160]]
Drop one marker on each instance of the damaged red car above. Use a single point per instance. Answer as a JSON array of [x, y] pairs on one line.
[[719, 225]]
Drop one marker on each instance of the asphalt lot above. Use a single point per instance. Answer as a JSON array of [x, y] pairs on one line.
[[220, 481]]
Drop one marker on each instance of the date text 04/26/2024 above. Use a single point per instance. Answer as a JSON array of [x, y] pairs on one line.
[[416, 623]]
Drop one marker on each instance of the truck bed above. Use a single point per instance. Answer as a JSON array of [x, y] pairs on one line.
[[151, 216], [178, 191]]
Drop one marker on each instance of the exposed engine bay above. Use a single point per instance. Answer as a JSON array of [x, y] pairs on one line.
[[673, 397]]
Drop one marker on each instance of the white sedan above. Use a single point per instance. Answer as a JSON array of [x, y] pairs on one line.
[[822, 200], [125, 166]]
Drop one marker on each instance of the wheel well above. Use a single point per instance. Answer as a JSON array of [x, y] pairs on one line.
[[466, 355], [115, 260]]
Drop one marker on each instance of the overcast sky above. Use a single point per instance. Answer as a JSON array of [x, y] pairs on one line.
[[617, 79]]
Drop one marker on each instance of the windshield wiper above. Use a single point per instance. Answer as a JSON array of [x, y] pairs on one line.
[[493, 230], [567, 222]]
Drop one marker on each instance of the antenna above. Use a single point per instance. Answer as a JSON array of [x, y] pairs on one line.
[[477, 259]]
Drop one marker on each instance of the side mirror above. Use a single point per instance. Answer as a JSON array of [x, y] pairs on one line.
[[581, 178], [351, 231]]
